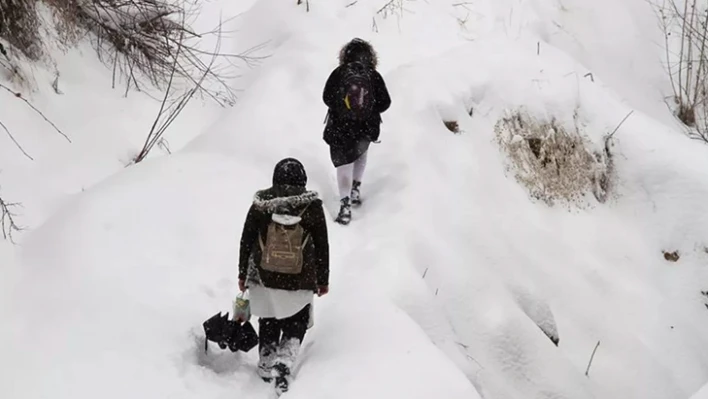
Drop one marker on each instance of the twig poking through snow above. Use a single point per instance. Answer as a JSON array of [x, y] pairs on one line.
[[592, 78], [165, 145], [618, 126], [466, 348], [307, 4], [385, 6], [19, 95], [591, 357], [425, 272]]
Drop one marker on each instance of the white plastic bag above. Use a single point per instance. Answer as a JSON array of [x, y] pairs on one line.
[[242, 308]]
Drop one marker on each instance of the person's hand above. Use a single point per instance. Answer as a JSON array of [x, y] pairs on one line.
[[242, 285], [322, 290]]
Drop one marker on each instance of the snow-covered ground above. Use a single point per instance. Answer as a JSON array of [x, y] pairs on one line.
[[441, 282]]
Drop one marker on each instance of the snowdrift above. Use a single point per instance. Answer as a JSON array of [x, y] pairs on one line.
[[159, 248], [451, 280]]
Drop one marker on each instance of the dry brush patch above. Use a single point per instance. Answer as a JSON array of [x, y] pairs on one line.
[[151, 39], [685, 27], [146, 43], [553, 164], [19, 27], [142, 41]]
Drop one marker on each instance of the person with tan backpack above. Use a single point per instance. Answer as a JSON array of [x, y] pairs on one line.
[[284, 261]]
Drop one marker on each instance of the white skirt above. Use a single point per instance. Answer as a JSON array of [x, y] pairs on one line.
[[280, 304]]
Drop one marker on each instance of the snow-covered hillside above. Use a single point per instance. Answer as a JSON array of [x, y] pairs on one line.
[[450, 279]]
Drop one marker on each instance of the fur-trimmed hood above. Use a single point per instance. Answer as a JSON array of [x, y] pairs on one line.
[[288, 201], [358, 50]]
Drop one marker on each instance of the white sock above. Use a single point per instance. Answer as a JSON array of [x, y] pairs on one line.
[[345, 177], [360, 166]]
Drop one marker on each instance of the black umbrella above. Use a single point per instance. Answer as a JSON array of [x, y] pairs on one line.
[[229, 333], [247, 337]]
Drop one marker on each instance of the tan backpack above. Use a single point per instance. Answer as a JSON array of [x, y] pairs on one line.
[[282, 251]]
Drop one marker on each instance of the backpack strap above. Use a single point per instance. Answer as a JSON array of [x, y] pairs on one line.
[[307, 236], [304, 210]]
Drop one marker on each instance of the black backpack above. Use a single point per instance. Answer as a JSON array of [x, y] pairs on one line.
[[357, 92]]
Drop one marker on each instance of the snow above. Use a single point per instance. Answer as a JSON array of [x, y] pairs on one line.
[[449, 278]]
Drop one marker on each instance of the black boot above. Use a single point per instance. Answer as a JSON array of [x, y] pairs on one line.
[[265, 364], [282, 378], [356, 193], [345, 212]]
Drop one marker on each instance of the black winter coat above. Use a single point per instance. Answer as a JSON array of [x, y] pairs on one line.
[[342, 133], [286, 200]]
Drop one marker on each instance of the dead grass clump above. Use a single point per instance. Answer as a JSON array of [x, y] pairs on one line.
[[452, 126], [553, 164], [671, 256]]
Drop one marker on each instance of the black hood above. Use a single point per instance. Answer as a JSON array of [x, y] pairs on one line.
[[289, 172], [358, 50]]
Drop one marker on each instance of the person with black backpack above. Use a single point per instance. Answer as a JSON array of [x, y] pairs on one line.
[[284, 261], [356, 95]]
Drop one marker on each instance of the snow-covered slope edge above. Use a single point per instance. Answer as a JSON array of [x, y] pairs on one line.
[[602, 270], [105, 125]]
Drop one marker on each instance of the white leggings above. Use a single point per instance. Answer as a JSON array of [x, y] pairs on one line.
[[346, 174]]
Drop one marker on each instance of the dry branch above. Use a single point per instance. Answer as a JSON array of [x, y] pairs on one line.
[[171, 109], [29, 104], [7, 220], [2, 125]]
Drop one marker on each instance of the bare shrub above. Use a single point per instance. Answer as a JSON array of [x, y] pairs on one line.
[[553, 164], [19, 26], [685, 26], [173, 105], [391, 7], [149, 38], [135, 38]]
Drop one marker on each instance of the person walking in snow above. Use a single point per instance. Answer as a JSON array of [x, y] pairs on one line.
[[356, 95], [284, 261]]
